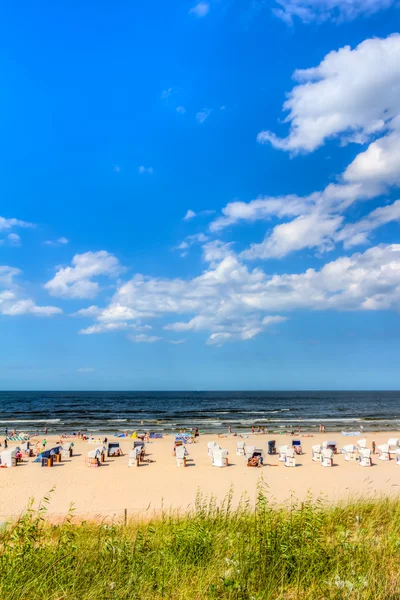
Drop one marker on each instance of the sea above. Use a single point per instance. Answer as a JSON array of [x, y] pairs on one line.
[[212, 412]]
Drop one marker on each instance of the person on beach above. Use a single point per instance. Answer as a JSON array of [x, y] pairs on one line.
[[229, 429], [196, 432], [5, 444], [373, 447], [44, 444], [252, 430], [6, 432], [45, 431]]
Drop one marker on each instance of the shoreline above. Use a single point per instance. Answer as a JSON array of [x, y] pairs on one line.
[[114, 486]]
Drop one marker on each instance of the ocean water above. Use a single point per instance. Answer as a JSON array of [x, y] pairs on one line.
[[110, 412]]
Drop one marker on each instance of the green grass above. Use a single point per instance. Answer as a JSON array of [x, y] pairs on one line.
[[305, 550]]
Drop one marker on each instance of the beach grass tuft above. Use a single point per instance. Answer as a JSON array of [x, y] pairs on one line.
[[302, 550]]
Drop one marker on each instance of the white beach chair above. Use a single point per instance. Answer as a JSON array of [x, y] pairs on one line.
[[330, 445], [93, 458], [220, 458], [66, 451], [290, 458], [362, 443], [397, 457], [365, 457], [393, 444], [349, 452], [249, 451], [211, 446], [316, 453], [180, 455], [283, 450], [240, 449], [383, 451], [327, 457], [133, 460], [8, 458]]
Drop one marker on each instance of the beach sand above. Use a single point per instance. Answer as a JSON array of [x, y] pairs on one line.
[[114, 486]]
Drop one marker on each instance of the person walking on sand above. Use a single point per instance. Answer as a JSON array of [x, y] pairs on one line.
[[6, 431], [5, 444]]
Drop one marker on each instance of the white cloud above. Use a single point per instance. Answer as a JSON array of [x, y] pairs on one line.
[[87, 370], [318, 220], [307, 231], [90, 311], [202, 213], [13, 300], [166, 93], [351, 93], [353, 234], [61, 241], [77, 281], [201, 9], [105, 327], [180, 110], [146, 170], [322, 10], [7, 275], [13, 223], [229, 302], [202, 115], [273, 320], [379, 164], [191, 240], [189, 215], [14, 239], [144, 339], [177, 342]]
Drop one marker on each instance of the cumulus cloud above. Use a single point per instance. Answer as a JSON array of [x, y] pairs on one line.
[[336, 98], [77, 281], [13, 223], [229, 302], [14, 239], [351, 93], [180, 110], [201, 9], [353, 234], [322, 10], [13, 300]]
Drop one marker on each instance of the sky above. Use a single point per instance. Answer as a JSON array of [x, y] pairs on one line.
[[200, 195]]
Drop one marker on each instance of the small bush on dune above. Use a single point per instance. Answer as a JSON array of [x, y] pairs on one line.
[[306, 550]]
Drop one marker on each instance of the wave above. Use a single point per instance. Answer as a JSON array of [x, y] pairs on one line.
[[10, 422]]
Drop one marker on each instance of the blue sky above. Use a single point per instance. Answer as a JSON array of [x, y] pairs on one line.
[[200, 195]]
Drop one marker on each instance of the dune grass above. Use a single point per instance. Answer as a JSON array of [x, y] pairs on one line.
[[305, 550]]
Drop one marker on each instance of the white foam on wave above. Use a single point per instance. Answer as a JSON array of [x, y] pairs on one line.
[[10, 422]]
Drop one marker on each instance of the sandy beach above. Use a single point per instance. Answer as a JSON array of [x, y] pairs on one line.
[[114, 486]]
